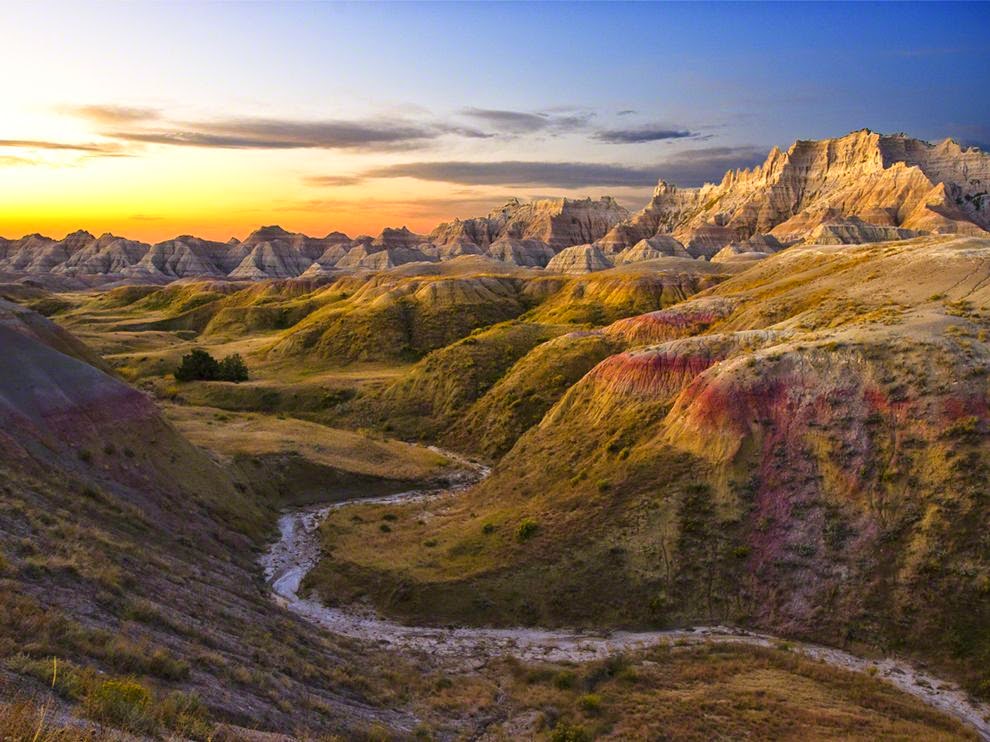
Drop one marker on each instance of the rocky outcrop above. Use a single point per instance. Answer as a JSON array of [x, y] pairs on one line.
[[885, 181], [528, 253], [557, 222], [853, 231], [658, 246], [863, 187], [579, 259]]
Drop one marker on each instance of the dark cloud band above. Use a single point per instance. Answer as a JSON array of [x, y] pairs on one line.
[[690, 168], [645, 134], [98, 147]]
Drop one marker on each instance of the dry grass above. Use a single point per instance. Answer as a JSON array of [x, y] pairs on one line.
[[720, 692], [251, 434]]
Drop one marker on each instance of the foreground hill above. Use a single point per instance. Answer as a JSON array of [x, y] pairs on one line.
[[801, 448], [132, 603], [128, 554], [863, 187]]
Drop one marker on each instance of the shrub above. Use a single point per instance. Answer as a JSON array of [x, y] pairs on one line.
[[122, 703], [590, 703], [198, 366], [565, 732], [488, 528], [564, 679], [527, 529], [233, 368]]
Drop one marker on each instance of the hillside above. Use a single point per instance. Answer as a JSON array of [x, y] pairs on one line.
[[128, 555], [801, 448]]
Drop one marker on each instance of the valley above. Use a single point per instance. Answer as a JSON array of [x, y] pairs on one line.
[[563, 472]]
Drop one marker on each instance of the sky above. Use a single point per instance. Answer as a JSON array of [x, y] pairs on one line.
[[151, 120]]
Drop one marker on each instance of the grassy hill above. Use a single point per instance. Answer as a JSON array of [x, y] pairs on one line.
[[814, 463]]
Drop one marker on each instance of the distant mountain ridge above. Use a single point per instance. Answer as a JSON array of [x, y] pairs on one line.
[[863, 187]]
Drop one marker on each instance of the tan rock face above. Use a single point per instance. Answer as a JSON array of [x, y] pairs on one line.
[[886, 181], [530, 253], [853, 231], [579, 259], [863, 187], [558, 222], [659, 246]]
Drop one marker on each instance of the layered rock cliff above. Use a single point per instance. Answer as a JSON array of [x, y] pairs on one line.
[[863, 187]]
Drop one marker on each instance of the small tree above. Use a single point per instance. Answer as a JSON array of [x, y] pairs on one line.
[[197, 365], [233, 368]]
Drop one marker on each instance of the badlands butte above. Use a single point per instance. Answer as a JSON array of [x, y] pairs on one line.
[[760, 404]]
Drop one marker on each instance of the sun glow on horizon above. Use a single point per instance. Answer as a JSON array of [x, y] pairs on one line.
[[153, 120]]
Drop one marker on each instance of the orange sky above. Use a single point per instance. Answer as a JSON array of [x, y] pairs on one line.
[[150, 120]]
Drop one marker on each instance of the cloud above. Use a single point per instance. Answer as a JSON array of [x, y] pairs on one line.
[[971, 135], [12, 161], [688, 168], [95, 147], [642, 134], [695, 167], [110, 115], [253, 133], [333, 180], [521, 173], [523, 122], [626, 112], [423, 207]]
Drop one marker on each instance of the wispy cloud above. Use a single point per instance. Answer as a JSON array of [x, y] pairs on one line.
[[688, 168], [253, 133], [110, 115], [695, 167], [13, 161], [642, 134], [92, 147], [520, 173], [525, 122], [333, 180], [148, 126]]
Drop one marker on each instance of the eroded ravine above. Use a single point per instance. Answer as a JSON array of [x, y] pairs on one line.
[[297, 551]]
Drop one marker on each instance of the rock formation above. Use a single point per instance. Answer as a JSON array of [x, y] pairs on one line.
[[863, 187], [579, 259], [658, 246], [891, 182]]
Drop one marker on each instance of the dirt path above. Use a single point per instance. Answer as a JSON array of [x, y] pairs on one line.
[[297, 551]]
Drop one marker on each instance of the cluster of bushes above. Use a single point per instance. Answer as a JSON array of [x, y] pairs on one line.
[[201, 366]]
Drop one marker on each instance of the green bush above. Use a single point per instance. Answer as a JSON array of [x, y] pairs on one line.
[[527, 529], [233, 368], [565, 732], [124, 703], [199, 365], [590, 703]]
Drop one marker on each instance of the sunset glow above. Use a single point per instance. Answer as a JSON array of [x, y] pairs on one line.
[[356, 117]]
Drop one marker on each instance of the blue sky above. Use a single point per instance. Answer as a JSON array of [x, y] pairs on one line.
[[356, 111]]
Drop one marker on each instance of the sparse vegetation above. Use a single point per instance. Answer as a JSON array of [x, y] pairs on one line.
[[198, 365]]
